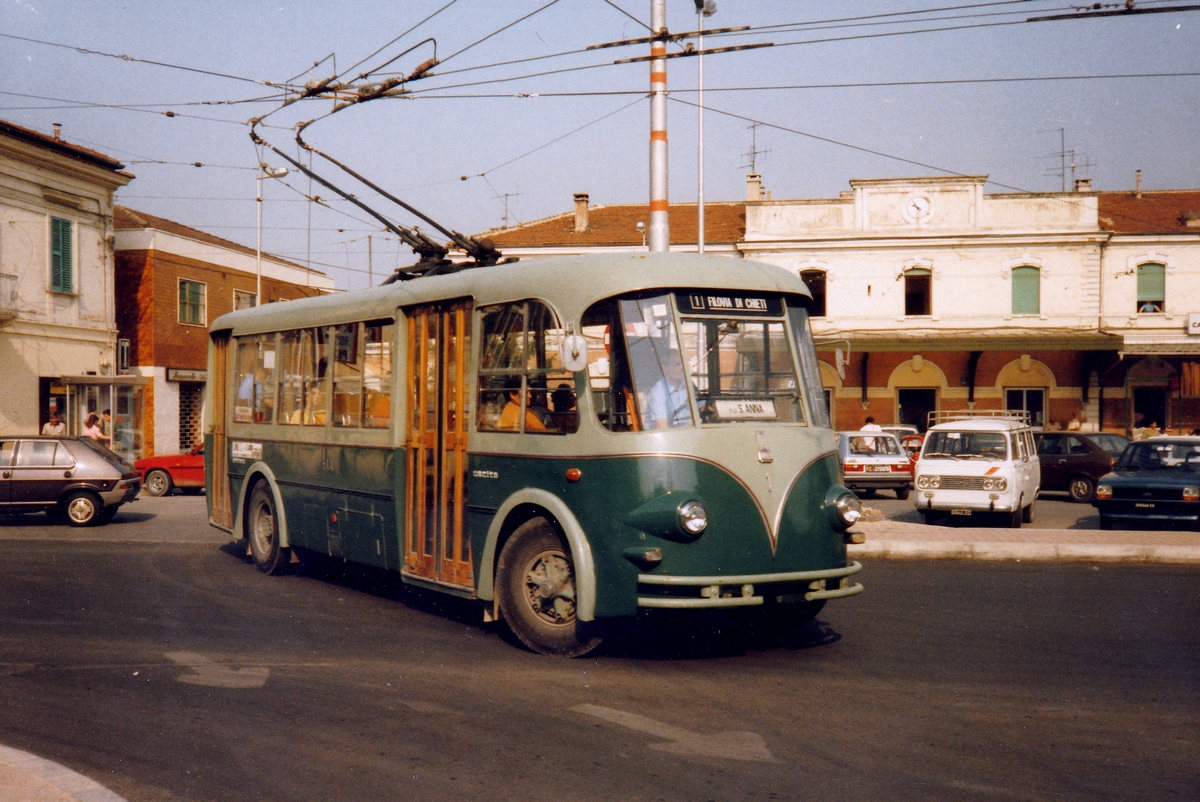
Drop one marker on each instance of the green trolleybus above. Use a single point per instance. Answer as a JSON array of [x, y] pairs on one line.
[[567, 441]]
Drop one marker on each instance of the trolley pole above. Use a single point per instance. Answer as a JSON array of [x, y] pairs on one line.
[[660, 230]]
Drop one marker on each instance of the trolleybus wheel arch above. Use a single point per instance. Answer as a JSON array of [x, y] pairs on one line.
[[536, 591], [262, 528]]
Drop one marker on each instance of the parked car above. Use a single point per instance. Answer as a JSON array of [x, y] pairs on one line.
[[76, 478], [872, 461], [1073, 462], [1154, 481], [1114, 444], [163, 474], [900, 429], [976, 463], [911, 443]]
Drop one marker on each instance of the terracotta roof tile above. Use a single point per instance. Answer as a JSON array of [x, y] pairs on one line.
[[66, 148], [125, 218], [724, 223], [1153, 213]]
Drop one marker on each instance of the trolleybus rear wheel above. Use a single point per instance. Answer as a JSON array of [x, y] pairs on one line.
[[536, 590], [262, 527]]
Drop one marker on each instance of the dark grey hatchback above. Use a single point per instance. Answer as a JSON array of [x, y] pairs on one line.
[[76, 478], [1156, 481]]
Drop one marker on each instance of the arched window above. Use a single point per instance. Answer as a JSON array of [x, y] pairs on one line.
[[1026, 290], [918, 291], [1151, 288], [815, 281]]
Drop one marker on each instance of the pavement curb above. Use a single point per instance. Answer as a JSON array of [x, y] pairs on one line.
[[1046, 552]]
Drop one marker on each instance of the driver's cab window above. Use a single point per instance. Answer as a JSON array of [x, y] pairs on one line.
[[523, 386]]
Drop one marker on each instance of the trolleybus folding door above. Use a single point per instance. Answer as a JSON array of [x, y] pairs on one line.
[[221, 511], [436, 543]]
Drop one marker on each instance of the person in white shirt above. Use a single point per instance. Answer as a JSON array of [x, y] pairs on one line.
[[55, 426], [667, 403]]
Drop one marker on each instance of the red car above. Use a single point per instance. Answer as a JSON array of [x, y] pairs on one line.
[[162, 474]]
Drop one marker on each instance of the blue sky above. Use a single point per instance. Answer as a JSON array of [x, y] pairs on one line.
[[519, 137]]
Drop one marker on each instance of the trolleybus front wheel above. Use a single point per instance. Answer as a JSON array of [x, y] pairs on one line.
[[536, 589], [262, 527]]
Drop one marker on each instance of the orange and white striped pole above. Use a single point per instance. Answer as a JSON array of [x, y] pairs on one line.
[[660, 229]]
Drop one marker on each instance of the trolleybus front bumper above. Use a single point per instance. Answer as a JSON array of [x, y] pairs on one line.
[[692, 592]]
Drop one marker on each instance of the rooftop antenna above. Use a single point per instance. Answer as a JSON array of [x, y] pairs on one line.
[[508, 195], [754, 152]]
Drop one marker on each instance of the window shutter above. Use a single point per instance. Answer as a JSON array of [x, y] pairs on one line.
[[1026, 291], [60, 255], [1151, 282]]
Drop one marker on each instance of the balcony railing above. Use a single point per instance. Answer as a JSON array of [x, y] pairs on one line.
[[8, 297]]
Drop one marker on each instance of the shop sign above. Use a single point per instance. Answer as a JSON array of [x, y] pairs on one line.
[[1194, 323], [185, 375]]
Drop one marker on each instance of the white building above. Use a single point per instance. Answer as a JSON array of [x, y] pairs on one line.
[[58, 334]]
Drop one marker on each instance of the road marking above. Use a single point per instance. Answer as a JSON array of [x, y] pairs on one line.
[[26, 776], [730, 745], [206, 672]]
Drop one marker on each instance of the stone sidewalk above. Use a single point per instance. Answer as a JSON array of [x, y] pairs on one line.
[[893, 539]]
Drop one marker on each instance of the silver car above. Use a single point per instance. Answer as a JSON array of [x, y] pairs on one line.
[[874, 460], [74, 478]]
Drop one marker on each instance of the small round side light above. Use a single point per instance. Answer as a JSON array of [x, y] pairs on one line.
[[574, 474]]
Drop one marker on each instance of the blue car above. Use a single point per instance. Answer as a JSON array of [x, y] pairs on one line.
[[1156, 481]]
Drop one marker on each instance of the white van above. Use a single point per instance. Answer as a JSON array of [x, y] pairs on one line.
[[976, 463]]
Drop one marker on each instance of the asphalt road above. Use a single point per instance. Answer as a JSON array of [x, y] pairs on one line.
[[174, 671], [1052, 511]]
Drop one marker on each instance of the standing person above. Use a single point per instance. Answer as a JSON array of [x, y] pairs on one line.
[[869, 425], [91, 428], [1053, 426], [1073, 424], [106, 423], [55, 426]]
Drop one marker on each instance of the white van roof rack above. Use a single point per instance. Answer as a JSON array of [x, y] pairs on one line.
[[950, 415]]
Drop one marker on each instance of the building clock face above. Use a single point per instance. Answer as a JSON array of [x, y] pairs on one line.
[[918, 209]]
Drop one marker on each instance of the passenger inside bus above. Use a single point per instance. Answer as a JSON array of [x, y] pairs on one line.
[[510, 417]]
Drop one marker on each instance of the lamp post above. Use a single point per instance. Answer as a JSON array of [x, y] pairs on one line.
[[263, 172], [704, 8]]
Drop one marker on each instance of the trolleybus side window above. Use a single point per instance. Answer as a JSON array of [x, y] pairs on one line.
[[377, 374], [347, 375], [608, 371], [255, 382], [303, 396], [660, 380], [523, 386]]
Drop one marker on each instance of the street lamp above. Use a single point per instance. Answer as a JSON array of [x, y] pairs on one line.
[[704, 8], [641, 227], [263, 172]]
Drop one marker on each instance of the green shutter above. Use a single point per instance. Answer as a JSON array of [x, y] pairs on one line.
[[1152, 283], [61, 254], [1026, 291]]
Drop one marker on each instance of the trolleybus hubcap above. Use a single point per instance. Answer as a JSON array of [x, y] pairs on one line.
[[551, 589]]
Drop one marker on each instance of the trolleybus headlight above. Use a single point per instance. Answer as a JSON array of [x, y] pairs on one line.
[[693, 517], [1103, 491], [849, 509]]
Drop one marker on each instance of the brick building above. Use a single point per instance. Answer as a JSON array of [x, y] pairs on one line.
[[171, 281]]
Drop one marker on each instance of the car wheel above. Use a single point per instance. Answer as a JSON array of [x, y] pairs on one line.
[[82, 508], [536, 590], [1014, 521], [930, 517], [262, 526], [902, 493], [1027, 514], [158, 483], [1081, 489]]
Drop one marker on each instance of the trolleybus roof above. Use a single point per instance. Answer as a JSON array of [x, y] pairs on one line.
[[571, 283]]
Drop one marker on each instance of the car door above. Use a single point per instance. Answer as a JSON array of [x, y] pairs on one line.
[[40, 472], [1052, 450], [7, 449], [1080, 460], [188, 469]]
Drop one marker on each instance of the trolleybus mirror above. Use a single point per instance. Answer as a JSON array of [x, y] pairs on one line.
[[574, 352]]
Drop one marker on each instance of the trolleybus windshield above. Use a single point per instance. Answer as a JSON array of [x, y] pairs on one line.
[[729, 359]]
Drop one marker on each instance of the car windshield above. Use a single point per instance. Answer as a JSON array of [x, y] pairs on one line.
[[966, 445], [1114, 444], [866, 445], [1160, 455]]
